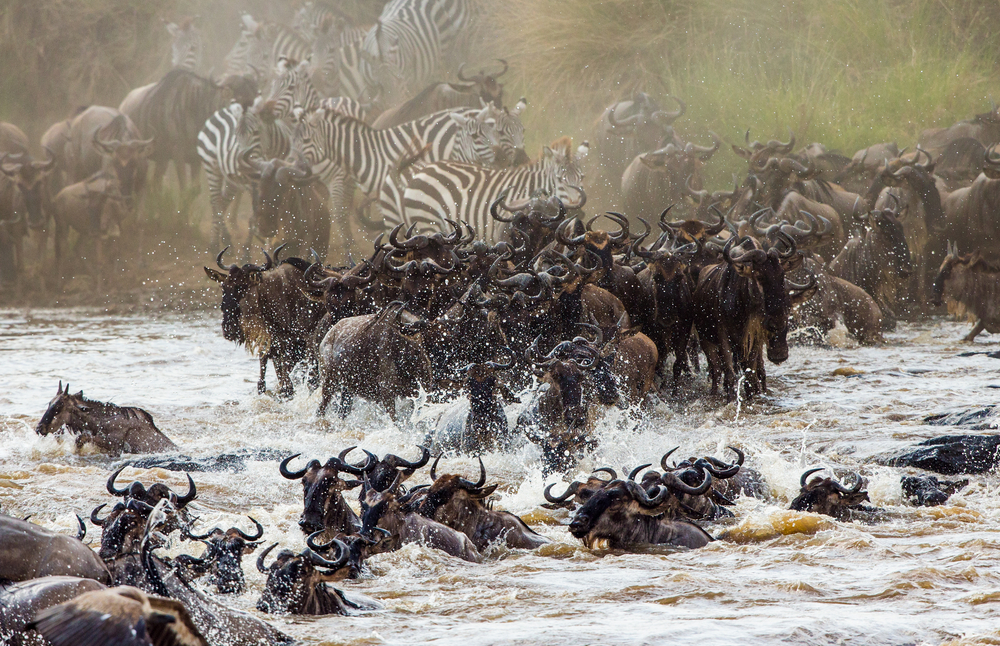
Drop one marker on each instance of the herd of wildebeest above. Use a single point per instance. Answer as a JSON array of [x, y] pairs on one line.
[[488, 282]]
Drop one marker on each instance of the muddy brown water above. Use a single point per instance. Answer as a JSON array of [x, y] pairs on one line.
[[921, 576]]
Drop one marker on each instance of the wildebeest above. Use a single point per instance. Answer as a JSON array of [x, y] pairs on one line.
[[973, 289], [173, 111], [561, 416], [656, 179], [469, 92], [480, 424], [97, 211], [324, 506], [291, 205], [970, 212], [122, 615], [622, 514], [29, 551], [836, 299], [459, 503], [928, 491], [984, 128], [390, 510], [101, 138], [297, 583], [377, 356], [113, 429], [223, 558], [829, 497], [20, 602], [23, 203], [264, 309], [742, 305], [877, 262]]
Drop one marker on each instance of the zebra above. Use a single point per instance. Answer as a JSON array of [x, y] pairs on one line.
[[187, 48], [406, 45], [226, 143], [261, 46], [292, 88], [316, 20], [336, 63], [464, 192]]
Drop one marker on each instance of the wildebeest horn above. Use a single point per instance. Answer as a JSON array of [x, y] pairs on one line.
[[789, 242], [415, 242], [311, 542], [627, 121], [218, 260], [82, 534], [716, 228], [94, 518], [796, 288], [562, 232], [608, 470], [634, 472], [579, 204], [570, 491], [291, 475], [424, 458], [268, 261], [248, 537], [369, 464], [720, 470], [675, 483], [783, 147], [667, 118], [276, 252], [854, 489], [182, 501], [200, 537], [622, 222], [805, 476], [663, 460], [260, 559], [111, 481], [640, 496], [342, 554], [482, 477], [500, 203], [434, 467]]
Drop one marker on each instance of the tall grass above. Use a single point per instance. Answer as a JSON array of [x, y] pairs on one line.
[[847, 73]]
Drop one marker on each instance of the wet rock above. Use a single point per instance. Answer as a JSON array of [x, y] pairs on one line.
[[232, 462], [976, 419], [950, 455], [928, 491]]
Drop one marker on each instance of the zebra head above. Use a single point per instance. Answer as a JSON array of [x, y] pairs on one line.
[[560, 161], [292, 88], [478, 139], [187, 47], [510, 131]]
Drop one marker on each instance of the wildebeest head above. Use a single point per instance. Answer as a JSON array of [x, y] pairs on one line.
[[613, 512], [154, 493], [126, 157], [236, 283], [452, 489], [295, 582], [827, 496], [224, 556], [767, 269], [277, 179], [63, 410], [386, 470], [953, 268], [490, 90], [577, 492], [28, 176], [535, 218], [891, 236], [643, 119], [322, 491], [121, 530]]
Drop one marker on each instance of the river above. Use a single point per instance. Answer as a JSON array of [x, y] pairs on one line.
[[920, 576]]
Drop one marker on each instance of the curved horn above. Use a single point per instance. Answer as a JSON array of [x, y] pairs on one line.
[[622, 235], [188, 533], [805, 476], [218, 260], [608, 470], [854, 489], [424, 458], [82, 533], [94, 518], [570, 491], [675, 483], [634, 472], [311, 542], [291, 475], [482, 477], [260, 559], [248, 537], [182, 501], [342, 555], [111, 481], [663, 460], [434, 467]]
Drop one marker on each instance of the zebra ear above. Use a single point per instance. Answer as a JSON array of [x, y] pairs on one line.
[[522, 103], [173, 29], [458, 118]]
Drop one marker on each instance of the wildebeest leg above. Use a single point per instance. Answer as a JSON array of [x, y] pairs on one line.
[[680, 335], [971, 336], [283, 369], [712, 357], [693, 350], [262, 382], [345, 403], [159, 172], [728, 367]]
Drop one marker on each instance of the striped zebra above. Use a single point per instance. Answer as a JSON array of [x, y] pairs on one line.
[[405, 47], [261, 45], [226, 143], [292, 88], [464, 192]]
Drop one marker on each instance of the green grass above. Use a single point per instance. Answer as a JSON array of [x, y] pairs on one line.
[[847, 73]]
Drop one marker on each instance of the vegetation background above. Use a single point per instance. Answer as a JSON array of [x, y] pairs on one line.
[[847, 73]]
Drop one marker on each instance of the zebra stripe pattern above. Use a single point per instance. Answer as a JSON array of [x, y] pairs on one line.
[[187, 47], [262, 45], [229, 137], [464, 192], [292, 88]]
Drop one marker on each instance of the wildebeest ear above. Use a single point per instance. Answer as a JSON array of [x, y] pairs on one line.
[[250, 547], [217, 276]]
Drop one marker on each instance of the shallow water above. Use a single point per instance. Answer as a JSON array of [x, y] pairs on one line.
[[920, 576]]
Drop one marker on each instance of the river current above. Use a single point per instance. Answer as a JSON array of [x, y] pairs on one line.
[[918, 576]]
